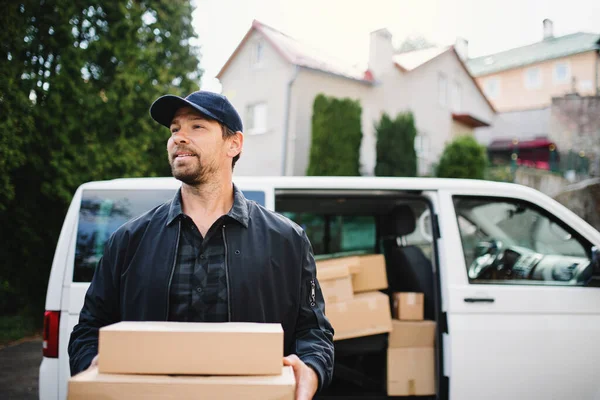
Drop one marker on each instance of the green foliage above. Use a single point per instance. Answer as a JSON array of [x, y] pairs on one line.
[[15, 327], [76, 82], [336, 137], [396, 155], [463, 158]]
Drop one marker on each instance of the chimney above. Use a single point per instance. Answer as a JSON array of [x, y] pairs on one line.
[[381, 52], [548, 29], [462, 48]]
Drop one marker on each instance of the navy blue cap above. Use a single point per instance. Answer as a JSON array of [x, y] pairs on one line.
[[212, 105]]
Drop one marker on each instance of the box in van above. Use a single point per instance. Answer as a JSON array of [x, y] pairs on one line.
[[336, 283]]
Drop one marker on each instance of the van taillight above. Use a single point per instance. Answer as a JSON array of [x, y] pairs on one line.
[[50, 345]]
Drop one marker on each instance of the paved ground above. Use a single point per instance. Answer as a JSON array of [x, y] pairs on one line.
[[19, 364]]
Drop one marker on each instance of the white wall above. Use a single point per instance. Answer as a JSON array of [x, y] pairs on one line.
[[243, 85], [432, 119]]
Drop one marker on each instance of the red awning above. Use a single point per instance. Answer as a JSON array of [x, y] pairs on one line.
[[469, 120], [525, 144]]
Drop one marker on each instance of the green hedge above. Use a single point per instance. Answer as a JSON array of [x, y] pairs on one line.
[[336, 137], [396, 155], [463, 158]]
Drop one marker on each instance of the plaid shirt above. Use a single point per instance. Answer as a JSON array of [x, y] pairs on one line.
[[198, 290]]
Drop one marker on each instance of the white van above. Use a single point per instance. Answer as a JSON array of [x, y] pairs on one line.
[[510, 276]]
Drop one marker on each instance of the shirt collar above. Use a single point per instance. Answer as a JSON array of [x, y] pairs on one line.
[[238, 212]]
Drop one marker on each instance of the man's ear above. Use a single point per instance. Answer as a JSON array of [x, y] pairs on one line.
[[236, 142]]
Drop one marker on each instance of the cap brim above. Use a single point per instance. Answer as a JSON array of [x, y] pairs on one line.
[[164, 108]]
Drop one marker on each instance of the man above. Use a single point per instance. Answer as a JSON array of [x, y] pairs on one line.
[[209, 254]]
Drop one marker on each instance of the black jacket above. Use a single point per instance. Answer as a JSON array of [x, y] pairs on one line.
[[272, 279]]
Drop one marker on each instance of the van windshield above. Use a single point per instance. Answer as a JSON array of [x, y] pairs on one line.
[[101, 213]]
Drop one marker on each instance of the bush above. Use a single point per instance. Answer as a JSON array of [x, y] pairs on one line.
[[336, 137], [396, 155], [463, 158]]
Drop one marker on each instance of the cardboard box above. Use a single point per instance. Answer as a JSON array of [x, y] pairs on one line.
[[412, 334], [366, 314], [368, 272], [191, 348], [91, 384], [336, 283], [408, 306], [411, 371]]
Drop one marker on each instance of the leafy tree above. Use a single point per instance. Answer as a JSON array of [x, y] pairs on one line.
[[77, 81], [463, 158], [396, 155], [415, 42], [336, 137]]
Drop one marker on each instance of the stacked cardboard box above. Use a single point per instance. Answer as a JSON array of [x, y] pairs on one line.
[[411, 357], [187, 360], [354, 305]]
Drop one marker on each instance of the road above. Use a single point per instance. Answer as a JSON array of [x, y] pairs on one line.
[[19, 364]]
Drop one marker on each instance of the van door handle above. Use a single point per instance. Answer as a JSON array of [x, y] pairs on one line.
[[479, 300]]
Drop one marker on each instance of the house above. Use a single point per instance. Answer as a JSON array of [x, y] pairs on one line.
[[273, 79], [528, 77]]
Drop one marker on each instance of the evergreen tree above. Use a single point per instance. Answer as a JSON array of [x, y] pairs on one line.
[[396, 155], [78, 78], [336, 137]]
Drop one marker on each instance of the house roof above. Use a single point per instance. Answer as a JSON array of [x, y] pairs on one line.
[[547, 49], [414, 59], [300, 54]]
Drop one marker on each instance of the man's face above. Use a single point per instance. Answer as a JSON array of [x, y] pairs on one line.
[[196, 148]]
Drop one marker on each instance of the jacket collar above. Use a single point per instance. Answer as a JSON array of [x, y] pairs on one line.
[[238, 212]]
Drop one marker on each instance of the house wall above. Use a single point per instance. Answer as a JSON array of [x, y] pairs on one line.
[[245, 84], [306, 87], [513, 94], [521, 125], [433, 120]]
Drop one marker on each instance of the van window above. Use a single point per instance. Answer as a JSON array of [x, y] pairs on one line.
[[510, 241], [331, 234], [103, 211]]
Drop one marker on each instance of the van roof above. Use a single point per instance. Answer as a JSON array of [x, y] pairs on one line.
[[321, 182]]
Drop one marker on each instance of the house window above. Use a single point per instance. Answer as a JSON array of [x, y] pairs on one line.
[[562, 72], [491, 87], [258, 54], [421, 147], [533, 78], [455, 97], [442, 90], [256, 118]]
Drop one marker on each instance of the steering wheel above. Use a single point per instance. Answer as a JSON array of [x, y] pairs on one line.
[[488, 254]]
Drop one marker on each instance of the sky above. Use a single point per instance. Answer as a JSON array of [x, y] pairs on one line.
[[342, 27]]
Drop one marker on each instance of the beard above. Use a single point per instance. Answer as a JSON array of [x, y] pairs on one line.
[[193, 173]]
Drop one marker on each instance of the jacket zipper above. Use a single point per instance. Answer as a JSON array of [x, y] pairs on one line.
[[313, 297], [172, 271], [227, 275]]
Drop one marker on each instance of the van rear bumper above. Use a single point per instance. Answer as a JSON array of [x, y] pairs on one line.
[[48, 379]]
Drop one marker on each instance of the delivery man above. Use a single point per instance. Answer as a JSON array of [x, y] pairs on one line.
[[209, 254]]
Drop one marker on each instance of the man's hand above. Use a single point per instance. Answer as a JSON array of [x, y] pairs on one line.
[[307, 381], [94, 362]]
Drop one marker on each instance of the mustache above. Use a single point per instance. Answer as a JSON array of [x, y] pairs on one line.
[[182, 150]]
